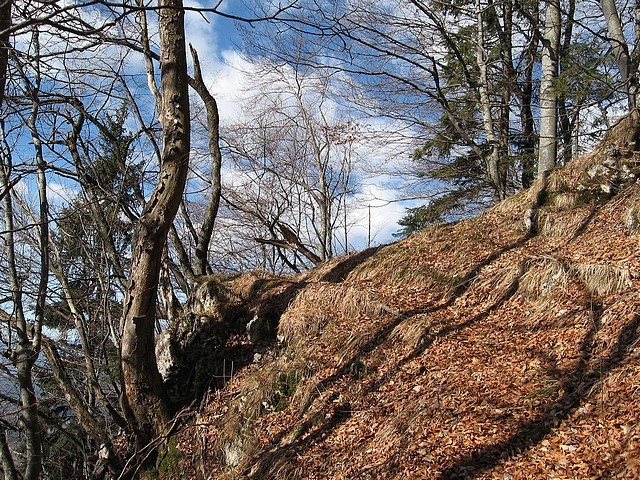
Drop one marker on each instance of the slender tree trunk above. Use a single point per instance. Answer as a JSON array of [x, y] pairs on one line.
[[213, 128], [548, 148], [145, 399], [23, 355], [87, 421], [5, 24], [620, 48], [565, 123], [526, 96], [27, 350], [508, 82], [492, 155], [89, 190], [8, 465]]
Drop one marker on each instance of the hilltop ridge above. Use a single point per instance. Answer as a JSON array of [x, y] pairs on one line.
[[468, 350]]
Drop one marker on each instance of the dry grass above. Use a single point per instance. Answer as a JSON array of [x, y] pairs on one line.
[[471, 371], [313, 309], [561, 226], [245, 284], [412, 331], [566, 200], [274, 465], [541, 276], [603, 279], [498, 283], [557, 182]]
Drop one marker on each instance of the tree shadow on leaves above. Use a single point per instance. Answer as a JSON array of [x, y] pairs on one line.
[[273, 464], [380, 337], [345, 266], [576, 385]]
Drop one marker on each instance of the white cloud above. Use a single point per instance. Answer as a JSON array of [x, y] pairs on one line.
[[225, 73], [375, 214], [60, 194]]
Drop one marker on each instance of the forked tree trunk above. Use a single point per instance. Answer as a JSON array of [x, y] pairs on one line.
[[145, 399]]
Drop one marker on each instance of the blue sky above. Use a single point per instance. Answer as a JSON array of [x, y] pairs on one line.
[[219, 46]]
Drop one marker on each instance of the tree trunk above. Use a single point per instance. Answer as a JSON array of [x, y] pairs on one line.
[[620, 50], [510, 79], [548, 148], [565, 124], [213, 128], [492, 154], [25, 352], [5, 24], [145, 399], [8, 465], [92, 427]]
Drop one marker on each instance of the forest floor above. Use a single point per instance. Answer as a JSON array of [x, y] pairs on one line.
[[469, 350]]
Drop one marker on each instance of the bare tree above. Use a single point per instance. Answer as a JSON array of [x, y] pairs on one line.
[[213, 129], [297, 161], [146, 401], [23, 352]]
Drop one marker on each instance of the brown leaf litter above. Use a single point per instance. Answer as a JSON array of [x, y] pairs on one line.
[[469, 350]]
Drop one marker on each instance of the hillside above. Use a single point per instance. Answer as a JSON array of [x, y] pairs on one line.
[[469, 350]]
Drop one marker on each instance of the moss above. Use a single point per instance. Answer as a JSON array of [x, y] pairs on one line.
[[285, 386], [169, 461]]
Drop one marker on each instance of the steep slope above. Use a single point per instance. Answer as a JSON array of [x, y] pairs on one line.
[[469, 350]]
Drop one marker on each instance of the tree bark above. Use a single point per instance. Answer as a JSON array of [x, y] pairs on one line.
[[25, 352], [508, 83], [86, 419], [529, 142], [5, 24], [492, 154], [565, 123], [213, 128], [145, 399], [8, 465], [620, 50], [548, 146]]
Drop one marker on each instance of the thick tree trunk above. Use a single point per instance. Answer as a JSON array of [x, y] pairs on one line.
[[145, 399], [548, 148]]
